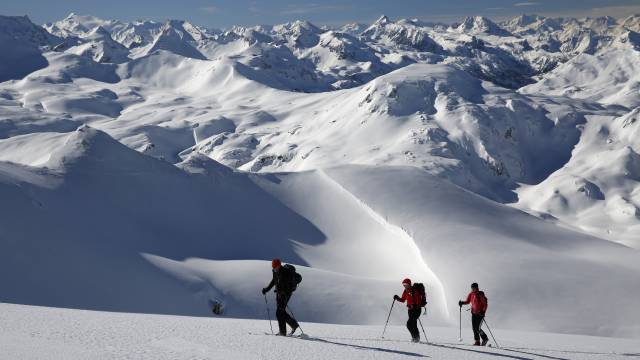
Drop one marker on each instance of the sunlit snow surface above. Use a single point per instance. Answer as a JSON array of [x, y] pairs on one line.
[[154, 167], [38, 332]]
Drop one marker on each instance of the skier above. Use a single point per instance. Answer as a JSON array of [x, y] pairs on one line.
[[285, 279], [479, 305], [414, 300]]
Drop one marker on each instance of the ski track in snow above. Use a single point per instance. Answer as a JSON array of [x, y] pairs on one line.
[[28, 332]]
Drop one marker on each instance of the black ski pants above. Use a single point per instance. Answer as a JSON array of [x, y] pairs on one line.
[[282, 299], [476, 324], [412, 323]]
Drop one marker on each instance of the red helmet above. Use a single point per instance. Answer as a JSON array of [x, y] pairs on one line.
[[276, 263], [406, 281]]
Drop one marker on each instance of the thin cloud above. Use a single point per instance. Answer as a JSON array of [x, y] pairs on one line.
[[210, 9], [311, 8], [253, 7], [528, 3], [619, 12]]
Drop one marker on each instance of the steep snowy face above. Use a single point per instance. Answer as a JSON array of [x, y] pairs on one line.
[[609, 78], [190, 32], [22, 42], [480, 25], [598, 189], [521, 22], [237, 39], [405, 34], [601, 24], [78, 25], [298, 35], [628, 39], [534, 25], [353, 29], [632, 22], [173, 40], [138, 33], [99, 46], [346, 59], [490, 138], [131, 35], [20, 28], [23, 59], [537, 46]]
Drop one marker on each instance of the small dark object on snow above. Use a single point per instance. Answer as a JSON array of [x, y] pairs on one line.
[[216, 307]]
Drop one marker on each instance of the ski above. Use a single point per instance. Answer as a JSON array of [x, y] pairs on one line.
[[296, 336]]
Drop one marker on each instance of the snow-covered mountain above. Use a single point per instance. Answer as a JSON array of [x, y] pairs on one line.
[[480, 25], [154, 166], [22, 42], [99, 46]]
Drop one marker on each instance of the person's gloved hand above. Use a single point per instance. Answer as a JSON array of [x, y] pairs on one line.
[[460, 303], [264, 291], [396, 297]]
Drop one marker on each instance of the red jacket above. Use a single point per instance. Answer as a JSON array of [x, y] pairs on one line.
[[478, 301], [411, 298]]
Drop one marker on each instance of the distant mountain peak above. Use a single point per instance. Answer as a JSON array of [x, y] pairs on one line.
[[382, 20]]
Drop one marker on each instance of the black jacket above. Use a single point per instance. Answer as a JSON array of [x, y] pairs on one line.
[[283, 280]]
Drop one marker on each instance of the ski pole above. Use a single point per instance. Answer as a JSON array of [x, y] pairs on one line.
[[293, 316], [268, 313], [460, 325], [388, 317], [424, 332], [488, 328]]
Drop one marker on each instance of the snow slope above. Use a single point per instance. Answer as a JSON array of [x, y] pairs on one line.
[[117, 212], [21, 40], [608, 78], [99, 46], [37, 332], [587, 191]]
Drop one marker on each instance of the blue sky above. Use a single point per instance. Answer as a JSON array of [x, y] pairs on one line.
[[224, 13]]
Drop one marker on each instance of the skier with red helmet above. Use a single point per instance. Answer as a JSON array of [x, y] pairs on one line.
[[285, 279], [414, 300]]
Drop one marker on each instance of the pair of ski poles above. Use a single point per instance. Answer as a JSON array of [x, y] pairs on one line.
[[266, 303], [485, 322], [425, 334], [387, 323]]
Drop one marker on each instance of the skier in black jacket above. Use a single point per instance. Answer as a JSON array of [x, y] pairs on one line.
[[284, 279]]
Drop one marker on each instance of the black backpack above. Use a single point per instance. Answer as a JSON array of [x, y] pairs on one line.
[[418, 288], [292, 277]]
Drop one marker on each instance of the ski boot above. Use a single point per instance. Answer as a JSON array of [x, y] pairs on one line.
[[293, 330]]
